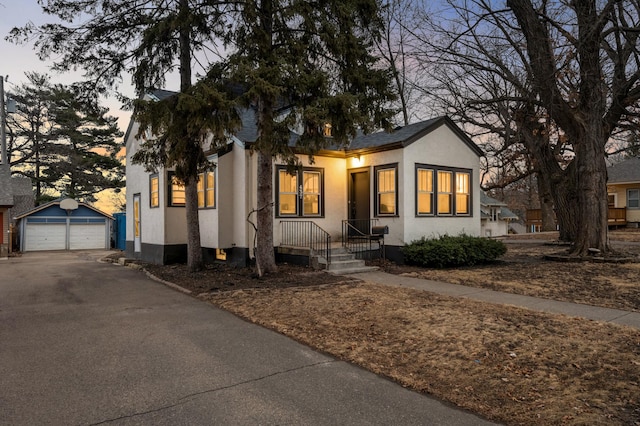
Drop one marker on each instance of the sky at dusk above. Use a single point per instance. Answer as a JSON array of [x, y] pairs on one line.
[[15, 60]]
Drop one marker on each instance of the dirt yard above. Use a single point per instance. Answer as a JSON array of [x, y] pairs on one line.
[[507, 364]]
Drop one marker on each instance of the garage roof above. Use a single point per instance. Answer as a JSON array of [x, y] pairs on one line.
[[84, 209]]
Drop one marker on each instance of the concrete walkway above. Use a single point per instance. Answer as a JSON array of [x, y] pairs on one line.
[[595, 313]]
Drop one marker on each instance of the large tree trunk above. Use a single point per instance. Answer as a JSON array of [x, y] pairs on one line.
[[265, 256], [546, 203], [593, 209], [194, 249]]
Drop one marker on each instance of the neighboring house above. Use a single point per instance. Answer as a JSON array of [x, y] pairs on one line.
[[419, 180], [495, 217], [16, 196], [623, 192], [64, 225]]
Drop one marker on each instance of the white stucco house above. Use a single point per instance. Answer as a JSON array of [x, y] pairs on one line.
[[495, 217], [419, 180]]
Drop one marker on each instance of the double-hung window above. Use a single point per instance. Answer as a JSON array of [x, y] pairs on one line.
[[442, 191], [445, 192], [300, 194], [207, 190], [425, 192], [154, 191], [386, 190], [176, 191], [463, 194], [633, 198]]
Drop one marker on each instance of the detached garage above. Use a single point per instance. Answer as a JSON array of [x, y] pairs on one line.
[[64, 225]]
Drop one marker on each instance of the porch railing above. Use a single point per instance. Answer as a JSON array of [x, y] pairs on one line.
[[358, 239], [616, 216], [306, 234]]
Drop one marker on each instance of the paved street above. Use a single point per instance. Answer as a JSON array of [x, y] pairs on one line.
[[85, 343]]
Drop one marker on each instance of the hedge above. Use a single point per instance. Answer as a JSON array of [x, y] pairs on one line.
[[448, 251]]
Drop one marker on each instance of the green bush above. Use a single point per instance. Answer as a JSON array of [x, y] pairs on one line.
[[447, 251]]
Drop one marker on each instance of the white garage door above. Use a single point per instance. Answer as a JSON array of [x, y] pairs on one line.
[[45, 236], [87, 236]]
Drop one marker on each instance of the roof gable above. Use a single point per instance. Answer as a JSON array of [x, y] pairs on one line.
[[84, 209], [404, 136]]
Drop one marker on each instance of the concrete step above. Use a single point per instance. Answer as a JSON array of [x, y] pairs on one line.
[[355, 270], [346, 264], [341, 256]]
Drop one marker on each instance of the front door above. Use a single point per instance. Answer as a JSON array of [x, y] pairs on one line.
[[136, 223], [1, 228], [359, 200]]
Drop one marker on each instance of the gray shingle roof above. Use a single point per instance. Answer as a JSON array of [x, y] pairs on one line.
[[505, 213], [12, 188], [6, 190], [626, 171], [21, 186], [488, 201], [400, 137], [161, 94]]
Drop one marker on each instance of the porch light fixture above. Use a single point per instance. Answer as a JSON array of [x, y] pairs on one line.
[[357, 161]]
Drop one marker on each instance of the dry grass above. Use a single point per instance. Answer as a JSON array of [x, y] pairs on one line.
[[507, 364], [524, 271]]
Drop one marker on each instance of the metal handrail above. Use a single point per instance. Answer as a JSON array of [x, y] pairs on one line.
[[307, 234], [358, 242]]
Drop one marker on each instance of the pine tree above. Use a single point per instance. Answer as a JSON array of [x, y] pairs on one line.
[[63, 141], [312, 59], [148, 39]]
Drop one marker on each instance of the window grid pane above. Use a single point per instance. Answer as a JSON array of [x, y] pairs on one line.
[[155, 198], [633, 198], [444, 192], [387, 191], [311, 196], [462, 193], [288, 193], [177, 192], [210, 191], [200, 187], [425, 191]]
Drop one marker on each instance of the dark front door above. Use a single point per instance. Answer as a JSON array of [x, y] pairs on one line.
[[359, 200]]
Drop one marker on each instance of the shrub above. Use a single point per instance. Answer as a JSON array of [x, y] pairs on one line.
[[447, 251]]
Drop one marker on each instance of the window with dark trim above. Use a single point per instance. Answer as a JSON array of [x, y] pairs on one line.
[[207, 190], [176, 194], [463, 193], [445, 192], [424, 189], [442, 191], [154, 191], [386, 190], [633, 198], [300, 194]]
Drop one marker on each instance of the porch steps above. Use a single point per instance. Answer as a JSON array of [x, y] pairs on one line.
[[343, 263]]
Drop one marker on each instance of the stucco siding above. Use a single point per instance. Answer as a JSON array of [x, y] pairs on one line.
[[335, 196], [443, 148], [494, 229], [152, 223], [208, 218], [370, 161], [227, 191]]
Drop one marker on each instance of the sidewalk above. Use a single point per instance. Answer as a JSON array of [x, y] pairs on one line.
[[595, 313]]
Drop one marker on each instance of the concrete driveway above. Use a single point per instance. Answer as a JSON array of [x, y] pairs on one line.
[[84, 343]]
